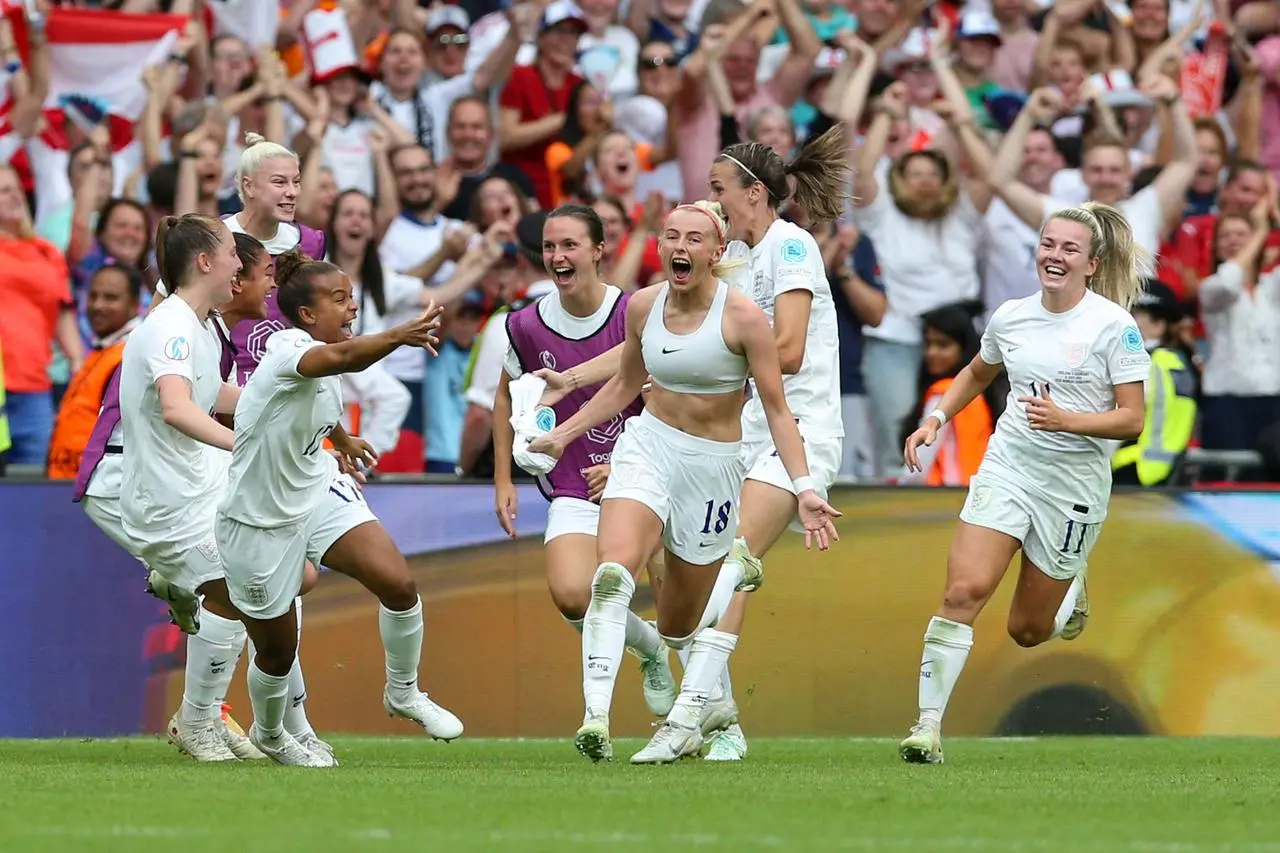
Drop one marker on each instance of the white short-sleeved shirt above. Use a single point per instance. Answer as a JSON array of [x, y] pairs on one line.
[[1079, 356], [1008, 258], [924, 265], [347, 153], [279, 468], [287, 236], [171, 481], [564, 324], [787, 258]]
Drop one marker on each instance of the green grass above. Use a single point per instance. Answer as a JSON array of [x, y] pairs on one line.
[[1057, 794]]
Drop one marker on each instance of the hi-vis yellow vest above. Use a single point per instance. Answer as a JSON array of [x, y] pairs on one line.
[[1170, 419], [5, 443]]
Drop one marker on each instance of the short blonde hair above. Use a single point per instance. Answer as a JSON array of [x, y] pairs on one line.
[[257, 150]]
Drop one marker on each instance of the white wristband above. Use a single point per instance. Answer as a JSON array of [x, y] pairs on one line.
[[940, 415], [803, 484]]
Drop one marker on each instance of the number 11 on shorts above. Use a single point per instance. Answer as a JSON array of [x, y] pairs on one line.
[[1076, 530]]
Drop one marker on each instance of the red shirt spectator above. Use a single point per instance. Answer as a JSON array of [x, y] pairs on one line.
[[533, 104]]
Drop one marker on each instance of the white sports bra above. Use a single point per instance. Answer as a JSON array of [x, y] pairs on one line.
[[697, 363]]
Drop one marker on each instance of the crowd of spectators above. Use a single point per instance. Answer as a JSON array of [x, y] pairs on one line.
[[431, 136]]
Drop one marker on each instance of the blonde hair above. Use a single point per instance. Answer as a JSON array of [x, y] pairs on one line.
[[257, 150], [712, 209], [1122, 263]]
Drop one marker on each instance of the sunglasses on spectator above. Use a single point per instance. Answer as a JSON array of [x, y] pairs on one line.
[[456, 40], [649, 63]]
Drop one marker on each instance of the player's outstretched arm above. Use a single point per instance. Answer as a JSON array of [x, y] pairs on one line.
[[356, 354]]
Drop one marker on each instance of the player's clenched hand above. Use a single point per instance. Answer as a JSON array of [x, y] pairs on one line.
[[423, 331], [558, 385], [596, 476], [925, 435], [551, 444], [816, 515]]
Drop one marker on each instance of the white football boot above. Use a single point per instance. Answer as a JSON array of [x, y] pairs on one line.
[[435, 720], [203, 741], [659, 684], [923, 745], [592, 739], [1079, 616], [727, 745], [670, 744], [285, 749]]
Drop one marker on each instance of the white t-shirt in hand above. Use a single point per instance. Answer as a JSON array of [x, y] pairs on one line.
[[279, 468], [1079, 356], [787, 258], [171, 481]]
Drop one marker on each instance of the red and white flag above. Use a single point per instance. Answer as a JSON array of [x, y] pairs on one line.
[[100, 54]]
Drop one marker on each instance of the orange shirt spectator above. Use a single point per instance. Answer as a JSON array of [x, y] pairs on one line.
[[35, 289]]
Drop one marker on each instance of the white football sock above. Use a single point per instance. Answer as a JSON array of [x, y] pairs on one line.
[[295, 713], [642, 638], [269, 695], [709, 655], [1068, 607], [604, 634], [725, 686], [211, 661], [402, 643], [683, 655], [575, 624], [946, 646]]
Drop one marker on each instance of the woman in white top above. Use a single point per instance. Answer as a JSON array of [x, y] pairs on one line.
[[1077, 365], [787, 279], [173, 472], [677, 469], [577, 320], [926, 224], [288, 502], [1240, 305]]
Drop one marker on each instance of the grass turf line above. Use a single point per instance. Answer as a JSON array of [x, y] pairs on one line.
[[1144, 795]]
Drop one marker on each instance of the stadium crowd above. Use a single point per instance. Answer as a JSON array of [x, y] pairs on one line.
[[432, 136]]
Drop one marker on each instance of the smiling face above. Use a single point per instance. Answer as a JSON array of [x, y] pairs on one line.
[[470, 135], [617, 165], [344, 90], [353, 224], [111, 302], [253, 284], [415, 174], [1232, 234], [1106, 172], [273, 189], [331, 310], [498, 202], [558, 45], [221, 266], [448, 51], [569, 254], [659, 76], [1062, 257], [773, 128], [124, 236], [208, 167], [689, 247], [615, 226], [403, 61]]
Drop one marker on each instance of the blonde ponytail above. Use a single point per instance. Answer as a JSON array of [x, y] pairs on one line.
[[1122, 263]]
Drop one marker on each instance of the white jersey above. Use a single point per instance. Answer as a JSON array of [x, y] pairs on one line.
[[1077, 356], [279, 469], [171, 481], [786, 259]]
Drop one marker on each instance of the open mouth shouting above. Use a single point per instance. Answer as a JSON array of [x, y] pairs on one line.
[[563, 274], [681, 269]]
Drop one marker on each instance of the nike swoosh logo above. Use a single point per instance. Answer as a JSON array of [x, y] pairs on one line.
[[217, 663], [597, 657], [666, 351]]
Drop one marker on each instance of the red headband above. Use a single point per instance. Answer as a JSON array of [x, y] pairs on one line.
[[714, 219]]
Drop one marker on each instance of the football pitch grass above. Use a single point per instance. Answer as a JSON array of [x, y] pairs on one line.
[[1146, 795]]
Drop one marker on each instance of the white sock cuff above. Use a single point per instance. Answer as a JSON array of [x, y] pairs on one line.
[[576, 624], [413, 612], [262, 677], [947, 633], [220, 631], [716, 639], [679, 643]]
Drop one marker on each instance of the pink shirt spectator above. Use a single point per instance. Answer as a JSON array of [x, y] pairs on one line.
[[699, 131], [1268, 51], [1015, 60]]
